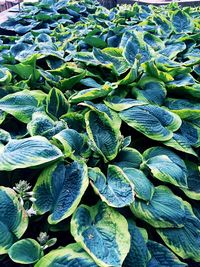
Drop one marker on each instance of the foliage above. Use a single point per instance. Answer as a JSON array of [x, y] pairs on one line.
[[100, 136]]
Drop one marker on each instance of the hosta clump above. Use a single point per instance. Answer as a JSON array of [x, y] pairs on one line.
[[100, 136]]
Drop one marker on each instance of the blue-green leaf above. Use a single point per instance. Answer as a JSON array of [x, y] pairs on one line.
[[119, 104], [128, 157], [154, 122], [135, 47], [180, 143], [185, 241], [42, 124], [161, 256], [115, 189], [25, 251], [56, 103], [22, 104], [164, 210], [103, 233], [185, 108], [112, 58], [144, 189], [182, 22], [28, 152], [138, 255], [59, 190], [13, 219], [150, 90], [74, 144], [191, 132], [92, 93], [72, 255], [104, 136], [193, 181], [166, 166]]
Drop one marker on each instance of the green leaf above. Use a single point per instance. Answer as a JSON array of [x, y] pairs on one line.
[[104, 136], [152, 70], [166, 166], [28, 152], [104, 227], [138, 255], [154, 122], [74, 144], [161, 256], [128, 157], [25, 71], [56, 103], [182, 22], [184, 241], [71, 255], [2, 116], [120, 104], [131, 76], [95, 42], [22, 104], [144, 189], [13, 219], [5, 136], [164, 210], [59, 190], [92, 93], [69, 83], [115, 189], [25, 251], [5, 76]]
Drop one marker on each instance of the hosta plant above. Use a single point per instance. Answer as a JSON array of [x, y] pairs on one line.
[[100, 136]]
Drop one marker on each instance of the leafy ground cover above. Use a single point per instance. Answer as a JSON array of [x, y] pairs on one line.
[[100, 136]]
